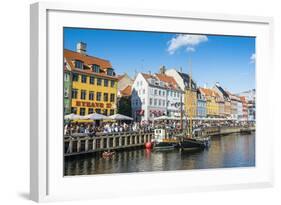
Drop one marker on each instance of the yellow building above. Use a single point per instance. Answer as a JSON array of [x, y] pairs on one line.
[[94, 84], [212, 103], [190, 102]]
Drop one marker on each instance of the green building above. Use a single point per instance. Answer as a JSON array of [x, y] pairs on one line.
[[66, 91]]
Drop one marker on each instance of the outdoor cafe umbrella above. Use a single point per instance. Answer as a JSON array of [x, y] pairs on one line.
[[164, 117], [120, 117], [72, 116], [96, 116]]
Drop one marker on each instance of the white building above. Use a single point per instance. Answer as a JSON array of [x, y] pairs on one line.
[[154, 96]]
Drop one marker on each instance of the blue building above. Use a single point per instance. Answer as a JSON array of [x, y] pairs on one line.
[[201, 105]]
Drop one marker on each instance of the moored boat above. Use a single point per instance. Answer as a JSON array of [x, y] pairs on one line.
[[163, 141], [192, 143]]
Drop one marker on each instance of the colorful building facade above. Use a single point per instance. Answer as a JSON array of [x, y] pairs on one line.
[[190, 91], [93, 83], [201, 105], [212, 105], [67, 85]]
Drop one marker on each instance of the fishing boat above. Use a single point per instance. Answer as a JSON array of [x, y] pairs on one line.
[[163, 141]]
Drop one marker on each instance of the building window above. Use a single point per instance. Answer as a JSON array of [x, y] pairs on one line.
[[78, 64], [74, 93], [112, 112], [99, 81], [83, 94], [155, 92], [90, 110], [143, 91], [83, 78], [164, 102], [74, 110], [92, 80], [105, 97], [65, 93], [112, 83], [109, 71], [82, 111], [159, 102], [91, 95], [98, 96], [112, 97], [95, 68], [159, 92], [66, 77], [105, 82], [98, 111], [75, 77], [105, 112], [155, 102], [143, 101], [150, 101]]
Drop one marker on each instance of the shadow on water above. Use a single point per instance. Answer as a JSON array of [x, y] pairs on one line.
[[232, 150]]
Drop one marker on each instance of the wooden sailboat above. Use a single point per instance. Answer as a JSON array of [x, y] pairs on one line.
[[189, 141]]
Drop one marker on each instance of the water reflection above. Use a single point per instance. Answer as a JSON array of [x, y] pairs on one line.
[[233, 150]]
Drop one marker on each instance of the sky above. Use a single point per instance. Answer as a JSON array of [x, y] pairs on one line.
[[229, 60]]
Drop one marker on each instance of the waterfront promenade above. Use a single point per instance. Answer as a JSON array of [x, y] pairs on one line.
[[78, 144]]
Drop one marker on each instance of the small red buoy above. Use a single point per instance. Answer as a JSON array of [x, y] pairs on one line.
[[148, 145]]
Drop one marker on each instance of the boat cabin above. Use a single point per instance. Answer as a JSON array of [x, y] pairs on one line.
[[160, 134]]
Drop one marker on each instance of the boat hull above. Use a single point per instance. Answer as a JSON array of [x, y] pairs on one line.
[[163, 146], [193, 144]]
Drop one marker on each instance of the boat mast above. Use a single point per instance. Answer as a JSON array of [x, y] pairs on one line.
[[190, 94], [181, 126]]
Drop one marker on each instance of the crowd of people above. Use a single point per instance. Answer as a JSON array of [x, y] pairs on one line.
[[92, 129]]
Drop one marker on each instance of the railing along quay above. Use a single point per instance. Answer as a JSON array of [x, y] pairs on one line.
[[83, 143]]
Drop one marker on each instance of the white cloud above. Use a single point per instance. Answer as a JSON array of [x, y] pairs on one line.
[[189, 41], [190, 49], [253, 58]]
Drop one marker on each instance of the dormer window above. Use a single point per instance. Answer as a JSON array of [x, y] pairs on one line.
[[78, 64], [96, 68], [110, 71]]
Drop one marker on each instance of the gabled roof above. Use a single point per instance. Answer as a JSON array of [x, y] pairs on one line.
[[186, 78], [170, 81], [126, 91], [209, 92], [224, 93]]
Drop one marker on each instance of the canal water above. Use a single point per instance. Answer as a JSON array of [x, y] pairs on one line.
[[234, 150]]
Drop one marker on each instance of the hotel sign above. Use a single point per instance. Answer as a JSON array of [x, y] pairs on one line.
[[93, 104]]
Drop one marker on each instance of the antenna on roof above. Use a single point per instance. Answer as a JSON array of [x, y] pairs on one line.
[[142, 64]]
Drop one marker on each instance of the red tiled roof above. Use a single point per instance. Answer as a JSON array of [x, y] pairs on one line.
[[169, 80], [71, 56], [126, 91], [209, 92], [147, 76]]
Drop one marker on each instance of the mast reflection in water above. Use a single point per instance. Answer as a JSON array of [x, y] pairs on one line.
[[233, 150]]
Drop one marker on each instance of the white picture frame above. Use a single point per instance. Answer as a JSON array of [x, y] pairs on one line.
[[47, 182]]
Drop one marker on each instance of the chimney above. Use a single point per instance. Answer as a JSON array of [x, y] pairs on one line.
[[162, 69], [81, 48]]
